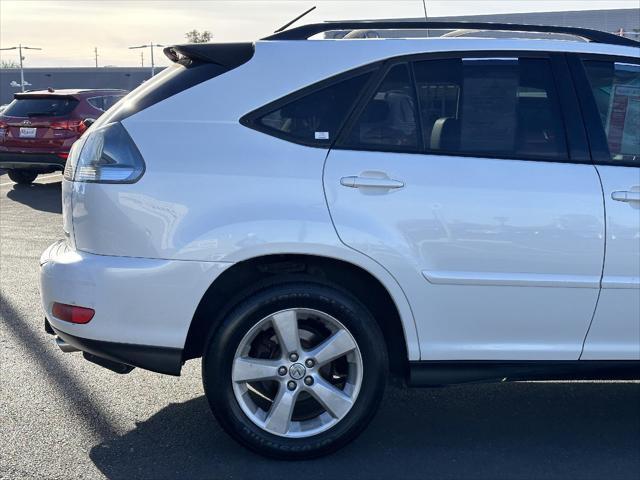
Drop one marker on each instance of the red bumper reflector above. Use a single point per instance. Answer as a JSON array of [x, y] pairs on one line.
[[63, 155], [72, 313]]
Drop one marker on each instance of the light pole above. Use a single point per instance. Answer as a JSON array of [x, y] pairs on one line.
[[151, 45], [20, 48]]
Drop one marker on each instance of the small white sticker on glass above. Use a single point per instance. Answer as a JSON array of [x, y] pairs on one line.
[[322, 135]]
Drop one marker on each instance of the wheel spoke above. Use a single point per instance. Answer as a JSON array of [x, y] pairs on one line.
[[337, 345], [280, 413], [247, 369], [335, 401], [286, 326]]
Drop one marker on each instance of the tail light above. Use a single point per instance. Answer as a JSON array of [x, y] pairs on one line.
[[105, 155], [4, 128], [72, 125]]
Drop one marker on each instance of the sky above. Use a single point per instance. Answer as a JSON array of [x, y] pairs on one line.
[[67, 31]]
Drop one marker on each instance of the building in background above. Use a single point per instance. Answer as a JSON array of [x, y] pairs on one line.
[[625, 21], [126, 78]]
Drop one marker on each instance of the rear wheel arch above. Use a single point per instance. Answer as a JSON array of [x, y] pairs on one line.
[[250, 276]]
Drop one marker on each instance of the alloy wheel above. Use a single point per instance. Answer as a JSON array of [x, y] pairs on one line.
[[297, 372]]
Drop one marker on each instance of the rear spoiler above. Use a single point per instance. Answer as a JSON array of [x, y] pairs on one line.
[[20, 95], [201, 63], [228, 55]]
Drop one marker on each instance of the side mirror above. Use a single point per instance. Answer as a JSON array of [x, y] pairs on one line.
[[87, 122]]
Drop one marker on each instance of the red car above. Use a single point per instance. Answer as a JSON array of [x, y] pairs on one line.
[[38, 128]]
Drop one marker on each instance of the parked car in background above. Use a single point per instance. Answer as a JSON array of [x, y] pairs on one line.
[[438, 210], [38, 128]]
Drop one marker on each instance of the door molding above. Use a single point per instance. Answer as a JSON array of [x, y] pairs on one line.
[[444, 277]]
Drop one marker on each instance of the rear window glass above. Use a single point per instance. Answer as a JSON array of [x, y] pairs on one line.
[[41, 107], [315, 118]]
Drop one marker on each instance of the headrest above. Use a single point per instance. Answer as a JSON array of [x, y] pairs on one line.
[[445, 134], [377, 111]]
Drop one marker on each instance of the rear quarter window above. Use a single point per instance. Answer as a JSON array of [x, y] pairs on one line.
[[312, 116], [111, 100], [104, 102], [97, 102], [41, 107]]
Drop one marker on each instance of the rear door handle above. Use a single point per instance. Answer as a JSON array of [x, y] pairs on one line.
[[370, 182], [626, 196]]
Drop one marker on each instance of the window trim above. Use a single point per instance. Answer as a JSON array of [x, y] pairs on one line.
[[577, 150], [420, 133], [251, 119], [597, 137], [572, 119]]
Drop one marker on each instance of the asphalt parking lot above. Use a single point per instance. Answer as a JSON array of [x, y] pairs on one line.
[[62, 417]]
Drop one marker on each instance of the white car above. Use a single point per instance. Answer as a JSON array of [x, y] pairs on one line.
[[313, 217]]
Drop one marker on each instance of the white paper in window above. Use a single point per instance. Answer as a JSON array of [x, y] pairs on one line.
[[489, 118]]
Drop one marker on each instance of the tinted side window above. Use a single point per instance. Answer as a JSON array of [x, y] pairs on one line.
[[616, 89], [97, 102], [389, 119], [504, 107], [111, 100], [316, 117], [104, 103]]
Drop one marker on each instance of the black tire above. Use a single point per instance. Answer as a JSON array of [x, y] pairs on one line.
[[22, 177], [222, 344]]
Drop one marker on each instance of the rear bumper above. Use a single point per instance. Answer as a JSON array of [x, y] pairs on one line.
[[45, 161], [157, 359], [143, 307]]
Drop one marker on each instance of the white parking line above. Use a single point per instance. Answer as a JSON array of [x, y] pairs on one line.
[[51, 175], [43, 177]]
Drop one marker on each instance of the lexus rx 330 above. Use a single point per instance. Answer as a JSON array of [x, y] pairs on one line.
[[314, 217]]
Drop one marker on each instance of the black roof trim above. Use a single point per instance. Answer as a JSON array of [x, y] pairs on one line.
[[43, 94], [229, 55], [305, 31], [64, 92]]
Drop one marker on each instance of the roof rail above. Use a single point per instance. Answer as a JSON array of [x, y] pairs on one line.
[[305, 31]]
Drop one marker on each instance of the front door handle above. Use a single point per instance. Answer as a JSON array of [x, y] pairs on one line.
[[370, 182], [626, 196]]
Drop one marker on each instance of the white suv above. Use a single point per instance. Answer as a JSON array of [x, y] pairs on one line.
[[314, 216]]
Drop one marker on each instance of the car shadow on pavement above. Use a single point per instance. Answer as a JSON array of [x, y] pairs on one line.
[[39, 196], [518, 430], [30, 333]]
